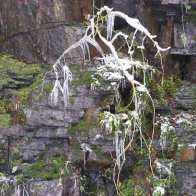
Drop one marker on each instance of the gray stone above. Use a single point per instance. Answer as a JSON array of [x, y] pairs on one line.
[[185, 174], [52, 117], [185, 98], [17, 130], [189, 33], [38, 31], [46, 188]]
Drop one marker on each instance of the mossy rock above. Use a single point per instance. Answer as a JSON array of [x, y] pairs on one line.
[[10, 66], [16, 74], [42, 169], [82, 76], [82, 126], [85, 78], [165, 89], [19, 80], [94, 191], [5, 120], [75, 69]]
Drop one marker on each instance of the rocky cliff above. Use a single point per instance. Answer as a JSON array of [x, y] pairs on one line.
[[42, 146]]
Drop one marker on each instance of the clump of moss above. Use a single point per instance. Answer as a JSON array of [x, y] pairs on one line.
[[19, 79], [71, 101], [85, 78], [75, 69], [12, 66], [168, 184], [42, 169], [129, 187], [2, 107], [161, 95], [3, 156], [82, 126], [165, 89], [194, 190], [23, 95], [5, 120], [16, 74], [170, 86]]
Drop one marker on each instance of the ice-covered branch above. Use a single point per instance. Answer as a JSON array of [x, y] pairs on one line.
[[114, 72], [92, 30]]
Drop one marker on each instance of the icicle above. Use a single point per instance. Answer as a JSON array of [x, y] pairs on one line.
[[110, 25], [117, 150], [88, 51], [83, 50], [144, 77]]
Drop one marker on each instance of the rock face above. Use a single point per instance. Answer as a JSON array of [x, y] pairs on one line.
[[56, 133], [186, 173], [39, 31], [176, 28]]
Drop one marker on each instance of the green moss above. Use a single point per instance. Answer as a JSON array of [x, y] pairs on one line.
[[128, 187], [3, 156], [23, 95], [41, 169], [12, 70], [85, 78], [75, 69], [5, 120], [12, 66], [168, 184], [96, 150], [2, 107], [20, 178], [2, 174], [20, 78], [194, 191], [15, 153], [161, 95], [82, 77], [71, 101], [170, 86], [93, 190], [83, 126], [165, 90], [47, 87]]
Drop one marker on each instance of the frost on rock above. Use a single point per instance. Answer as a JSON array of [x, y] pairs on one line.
[[166, 129], [158, 191], [86, 152], [163, 168]]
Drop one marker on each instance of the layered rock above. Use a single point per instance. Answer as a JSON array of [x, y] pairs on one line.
[[39, 31]]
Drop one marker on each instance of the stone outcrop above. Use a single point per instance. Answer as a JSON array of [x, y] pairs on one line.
[[56, 131], [176, 28]]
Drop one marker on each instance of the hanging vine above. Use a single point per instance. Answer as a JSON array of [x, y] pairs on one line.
[[114, 72]]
